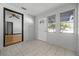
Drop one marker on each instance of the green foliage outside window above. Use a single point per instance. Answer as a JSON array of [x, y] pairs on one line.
[[51, 26], [65, 25]]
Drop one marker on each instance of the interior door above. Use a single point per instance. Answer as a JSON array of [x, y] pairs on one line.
[[42, 29], [9, 28]]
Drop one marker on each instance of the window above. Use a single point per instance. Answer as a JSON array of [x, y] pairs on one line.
[[51, 23], [67, 22]]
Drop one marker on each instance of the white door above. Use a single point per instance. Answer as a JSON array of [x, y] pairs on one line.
[[42, 29]]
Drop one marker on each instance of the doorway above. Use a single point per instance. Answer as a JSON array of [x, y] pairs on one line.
[[9, 28], [13, 27]]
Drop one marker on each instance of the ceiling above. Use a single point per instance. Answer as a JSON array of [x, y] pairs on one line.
[[35, 8]]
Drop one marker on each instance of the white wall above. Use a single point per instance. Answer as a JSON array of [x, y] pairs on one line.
[[61, 39], [1, 27], [30, 30], [78, 33], [28, 23]]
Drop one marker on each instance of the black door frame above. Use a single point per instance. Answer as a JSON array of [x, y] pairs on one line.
[[6, 9]]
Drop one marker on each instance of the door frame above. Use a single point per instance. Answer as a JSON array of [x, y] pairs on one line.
[[4, 9]]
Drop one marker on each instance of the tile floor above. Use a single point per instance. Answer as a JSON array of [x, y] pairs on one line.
[[35, 48]]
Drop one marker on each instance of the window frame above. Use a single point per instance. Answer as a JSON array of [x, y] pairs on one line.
[[52, 23], [73, 20]]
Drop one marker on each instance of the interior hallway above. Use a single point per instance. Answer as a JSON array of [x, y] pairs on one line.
[[35, 48]]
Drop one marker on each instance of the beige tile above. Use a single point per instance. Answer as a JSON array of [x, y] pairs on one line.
[[60, 51], [35, 48], [51, 51], [69, 53]]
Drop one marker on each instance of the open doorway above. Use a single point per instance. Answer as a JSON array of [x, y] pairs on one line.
[[9, 29], [13, 27]]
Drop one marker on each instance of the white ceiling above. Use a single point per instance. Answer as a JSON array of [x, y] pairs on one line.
[[36, 8]]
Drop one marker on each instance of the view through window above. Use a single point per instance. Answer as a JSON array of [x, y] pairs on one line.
[[67, 22], [52, 23]]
